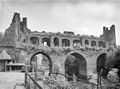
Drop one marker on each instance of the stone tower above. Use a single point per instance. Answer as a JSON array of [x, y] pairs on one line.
[[109, 36], [17, 31], [10, 35]]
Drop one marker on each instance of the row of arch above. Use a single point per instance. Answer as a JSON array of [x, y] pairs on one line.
[[75, 65], [66, 42]]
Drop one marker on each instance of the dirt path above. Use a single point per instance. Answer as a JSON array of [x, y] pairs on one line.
[[9, 79]]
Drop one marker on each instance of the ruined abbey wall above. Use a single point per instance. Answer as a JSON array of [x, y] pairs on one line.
[[58, 46]]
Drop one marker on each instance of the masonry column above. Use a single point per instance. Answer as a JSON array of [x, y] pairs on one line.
[[96, 44], [40, 41], [71, 43], [90, 43], [60, 42], [52, 41], [83, 43], [29, 40]]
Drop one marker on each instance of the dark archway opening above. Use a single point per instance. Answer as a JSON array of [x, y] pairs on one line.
[[75, 67], [86, 42], [65, 42], [101, 65], [44, 62], [56, 41], [46, 41], [93, 43], [101, 44], [76, 43], [34, 40]]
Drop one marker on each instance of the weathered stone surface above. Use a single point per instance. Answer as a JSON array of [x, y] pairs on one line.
[[56, 46]]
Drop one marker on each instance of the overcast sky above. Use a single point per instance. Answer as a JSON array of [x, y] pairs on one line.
[[81, 16]]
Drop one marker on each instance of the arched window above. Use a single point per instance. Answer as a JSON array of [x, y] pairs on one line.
[[34, 40], [56, 41], [93, 43], [65, 42], [46, 41], [86, 42], [76, 43], [101, 44]]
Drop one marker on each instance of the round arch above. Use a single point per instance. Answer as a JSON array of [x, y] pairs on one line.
[[101, 60], [75, 65], [78, 52], [45, 54]]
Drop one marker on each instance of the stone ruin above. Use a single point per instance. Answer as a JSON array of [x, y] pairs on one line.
[[74, 55]]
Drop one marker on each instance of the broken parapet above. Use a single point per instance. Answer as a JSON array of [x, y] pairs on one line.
[[109, 35], [68, 33]]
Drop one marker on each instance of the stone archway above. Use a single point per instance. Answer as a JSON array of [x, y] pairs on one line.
[[45, 57], [101, 60], [75, 66]]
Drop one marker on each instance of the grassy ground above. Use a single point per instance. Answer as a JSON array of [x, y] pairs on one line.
[[9, 79]]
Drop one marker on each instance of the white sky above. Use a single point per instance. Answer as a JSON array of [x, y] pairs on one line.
[[80, 16]]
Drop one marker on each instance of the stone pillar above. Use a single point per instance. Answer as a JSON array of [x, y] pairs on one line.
[[96, 44], [40, 42], [71, 43], [60, 42], [52, 42], [91, 64], [83, 43], [89, 43], [29, 40]]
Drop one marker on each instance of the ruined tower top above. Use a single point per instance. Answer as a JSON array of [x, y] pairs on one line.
[[17, 20], [25, 21], [109, 35], [16, 17]]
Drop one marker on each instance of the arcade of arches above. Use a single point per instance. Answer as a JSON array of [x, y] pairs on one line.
[[75, 65], [65, 42]]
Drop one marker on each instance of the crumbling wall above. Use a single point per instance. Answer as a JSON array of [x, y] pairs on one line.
[[17, 32], [109, 35], [10, 34]]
